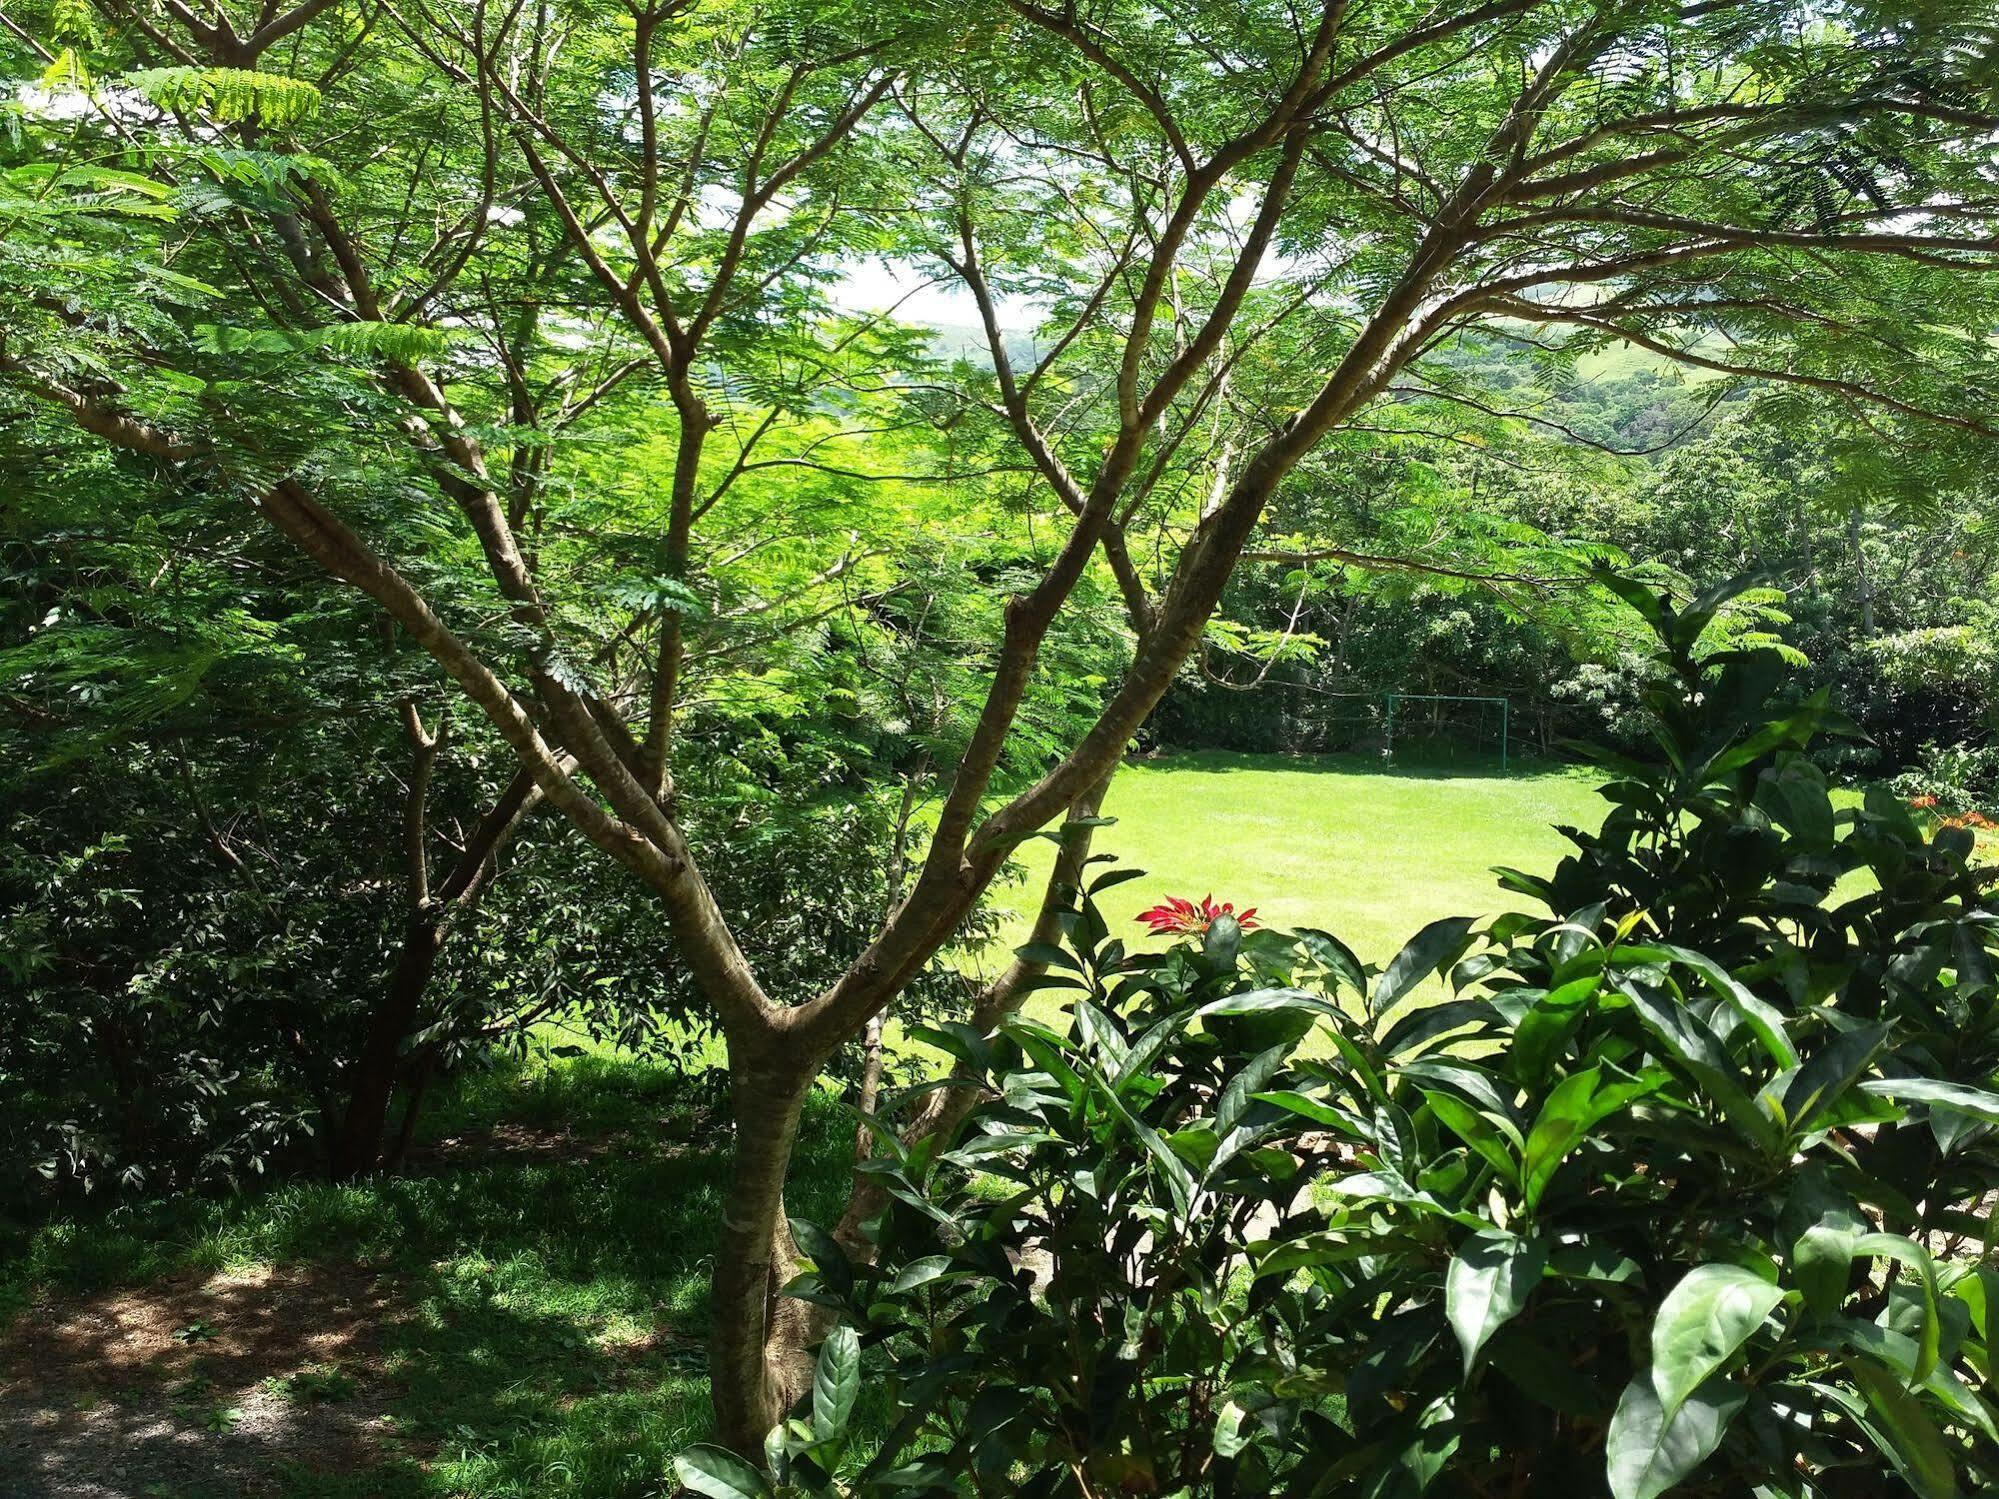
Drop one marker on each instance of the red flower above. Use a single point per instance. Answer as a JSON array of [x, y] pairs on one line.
[[1178, 917], [1921, 802]]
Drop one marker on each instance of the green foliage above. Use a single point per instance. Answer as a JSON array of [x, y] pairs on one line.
[[1956, 778], [191, 950], [315, 1383], [1063, 1291], [803, 1454], [1482, 532], [193, 947], [398, 341], [537, 331], [1683, 1190], [227, 95]]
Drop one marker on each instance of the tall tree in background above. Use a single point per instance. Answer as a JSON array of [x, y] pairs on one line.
[[347, 258]]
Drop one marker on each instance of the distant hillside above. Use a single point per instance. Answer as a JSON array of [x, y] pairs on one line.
[[968, 341], [1621, 397]]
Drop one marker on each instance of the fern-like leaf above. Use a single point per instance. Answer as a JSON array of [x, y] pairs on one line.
[[228, 93]]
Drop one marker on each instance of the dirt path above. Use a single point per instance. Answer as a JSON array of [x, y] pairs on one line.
[[200, 1387]]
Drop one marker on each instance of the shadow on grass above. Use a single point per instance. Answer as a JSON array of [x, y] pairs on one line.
[[1412, 765], [546, 1261]]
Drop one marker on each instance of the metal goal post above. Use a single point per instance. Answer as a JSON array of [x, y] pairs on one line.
[[1505, 714]]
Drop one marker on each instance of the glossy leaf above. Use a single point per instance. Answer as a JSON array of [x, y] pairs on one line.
[[1938, 1094], [1649, 1449], [1437, 946], [836, 1383], [1489, 1282], [1895, 1421], [1701, 1324], [719, 1474]]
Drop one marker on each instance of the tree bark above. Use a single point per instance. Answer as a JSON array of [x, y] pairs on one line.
[[126, 1079], [871, 1038], [357, 1148], [418, 1084], [1864, 577], [357, 1144], [758, 1355]]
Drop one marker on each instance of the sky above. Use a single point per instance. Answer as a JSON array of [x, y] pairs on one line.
[[876, 286]]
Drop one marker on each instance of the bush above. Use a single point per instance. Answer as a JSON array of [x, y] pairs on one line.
[[1683, 1187], [175, 1014], [166, 1019], [1953, 778]]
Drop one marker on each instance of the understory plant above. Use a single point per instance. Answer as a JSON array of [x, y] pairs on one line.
[[1677, 1184], [1955, 783]]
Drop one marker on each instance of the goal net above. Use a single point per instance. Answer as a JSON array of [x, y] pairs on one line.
[[1447, 729]]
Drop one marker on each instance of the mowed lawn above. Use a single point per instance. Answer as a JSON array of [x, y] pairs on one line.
[[1367, 853]]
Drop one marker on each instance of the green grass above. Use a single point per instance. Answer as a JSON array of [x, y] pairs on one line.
[[1332, 842], [549, 1297], [550, 1307]]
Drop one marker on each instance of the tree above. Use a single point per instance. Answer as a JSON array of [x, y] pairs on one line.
[[444, 234]]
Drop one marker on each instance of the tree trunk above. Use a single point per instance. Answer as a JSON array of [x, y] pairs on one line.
[[759, 1361], [419, 1083], [871, 1038], [357, 1148], [1864, 578], [871, 1086], [126, 1078]]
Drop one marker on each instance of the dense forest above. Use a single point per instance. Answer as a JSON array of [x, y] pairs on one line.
[[651, 529]]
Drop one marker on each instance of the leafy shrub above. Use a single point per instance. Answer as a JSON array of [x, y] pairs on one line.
[[1954, 778], [1682, 1188], [1060, 1287], [164, 1020], [167, 1022]]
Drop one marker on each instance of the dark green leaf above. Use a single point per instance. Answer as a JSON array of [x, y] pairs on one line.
[[1488, 1283], [1437, 946], [836, 1382]]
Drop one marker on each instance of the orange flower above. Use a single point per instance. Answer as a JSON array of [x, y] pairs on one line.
[[1178, 917], [1922, 802]]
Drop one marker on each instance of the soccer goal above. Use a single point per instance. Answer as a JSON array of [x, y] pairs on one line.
[[1448, 725]]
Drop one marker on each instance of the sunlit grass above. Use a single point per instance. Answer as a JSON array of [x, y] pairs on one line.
[[1341, 843], [1337, 843]]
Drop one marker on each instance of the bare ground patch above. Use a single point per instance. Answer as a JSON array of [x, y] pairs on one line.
[[509, 1143], [198, 1387]]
